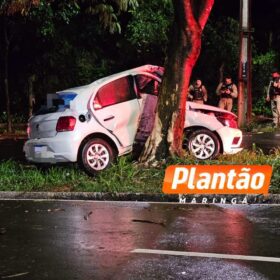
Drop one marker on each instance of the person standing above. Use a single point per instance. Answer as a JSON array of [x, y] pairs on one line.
[[227, 91], [197, 92], [273, 95]]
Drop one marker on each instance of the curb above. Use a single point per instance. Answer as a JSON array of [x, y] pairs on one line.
[[97, 196]]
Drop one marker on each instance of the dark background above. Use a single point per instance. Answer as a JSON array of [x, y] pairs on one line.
[[62, 55]]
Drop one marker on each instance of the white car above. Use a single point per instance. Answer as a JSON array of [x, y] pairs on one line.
[[94, 124]]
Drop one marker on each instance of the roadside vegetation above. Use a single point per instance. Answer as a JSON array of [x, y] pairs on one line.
[[124, 176], [72, 44]]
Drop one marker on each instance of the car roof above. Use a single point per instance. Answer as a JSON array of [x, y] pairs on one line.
[[148, 68], [84, 93]]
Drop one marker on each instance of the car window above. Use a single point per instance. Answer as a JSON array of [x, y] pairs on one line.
[[146, 85], [114, 92]]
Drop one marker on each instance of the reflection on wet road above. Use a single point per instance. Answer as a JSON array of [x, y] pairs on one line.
[[94, 240]]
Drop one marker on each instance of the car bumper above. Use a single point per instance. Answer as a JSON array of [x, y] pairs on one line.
[[52, 150], [231, 139]]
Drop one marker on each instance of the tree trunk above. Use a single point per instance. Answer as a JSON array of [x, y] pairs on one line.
[[166, 138], [6, 74], [31, 97]]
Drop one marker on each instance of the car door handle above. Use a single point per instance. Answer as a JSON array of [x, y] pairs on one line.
[[109, 118]]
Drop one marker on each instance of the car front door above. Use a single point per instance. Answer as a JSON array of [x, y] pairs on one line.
[[117, 109]]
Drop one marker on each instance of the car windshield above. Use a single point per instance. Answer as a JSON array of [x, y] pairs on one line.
[[56, 103]]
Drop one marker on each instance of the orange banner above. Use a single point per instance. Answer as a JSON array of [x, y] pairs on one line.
[[217, 179]]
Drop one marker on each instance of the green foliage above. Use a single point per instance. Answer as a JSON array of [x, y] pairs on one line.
[[261, 107], [221, 39], [149, 26], [262, 67], [16, 118], [146, 35], [63, 43], [124, 176], [46, 14], [108, 12], [87, 70], [267, 59]]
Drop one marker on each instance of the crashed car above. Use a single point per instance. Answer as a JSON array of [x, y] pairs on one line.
[[96, 123]]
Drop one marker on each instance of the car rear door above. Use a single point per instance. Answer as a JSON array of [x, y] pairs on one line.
[[147, 89], [116, 108]]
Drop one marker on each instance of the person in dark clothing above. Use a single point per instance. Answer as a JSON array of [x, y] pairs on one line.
[[226, 90], [197, 92], [273, 95]]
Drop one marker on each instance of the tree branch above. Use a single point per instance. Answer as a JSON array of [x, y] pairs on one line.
[[189, 16], [205, 12]]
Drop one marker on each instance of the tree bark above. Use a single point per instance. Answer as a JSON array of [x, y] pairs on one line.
[[166, 138], [6, 74]]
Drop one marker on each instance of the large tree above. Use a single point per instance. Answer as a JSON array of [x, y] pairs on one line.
[[190, 17]]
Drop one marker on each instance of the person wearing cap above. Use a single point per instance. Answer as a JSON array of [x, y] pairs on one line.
[[197, 92], [226, 90], [273, 95]]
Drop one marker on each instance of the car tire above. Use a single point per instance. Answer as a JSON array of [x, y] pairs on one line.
[[203, 144], [96, 155]]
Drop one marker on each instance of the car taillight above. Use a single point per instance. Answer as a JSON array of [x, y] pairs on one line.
[[228, 120], [65, 124], [235, 140], [28, 131]]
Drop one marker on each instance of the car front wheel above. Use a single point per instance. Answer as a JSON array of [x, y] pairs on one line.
[[96, 155], [203, 144]]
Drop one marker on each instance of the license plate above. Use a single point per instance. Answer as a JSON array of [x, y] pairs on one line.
[[39, 149]]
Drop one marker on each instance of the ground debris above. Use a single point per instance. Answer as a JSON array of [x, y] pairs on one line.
[[56, 210], [87, 215], [2, 231], [14, 275], [149, 222]]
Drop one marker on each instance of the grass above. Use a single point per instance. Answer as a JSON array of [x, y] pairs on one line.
[[124, 176]]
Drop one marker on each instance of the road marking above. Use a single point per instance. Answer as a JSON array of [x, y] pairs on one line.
[[14, 275], [207, 255]]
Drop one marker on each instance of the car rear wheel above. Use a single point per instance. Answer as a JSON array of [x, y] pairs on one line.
[[203, 144], [96, 156]]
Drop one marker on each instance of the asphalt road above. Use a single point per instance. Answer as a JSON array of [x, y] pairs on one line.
[[114, 240]]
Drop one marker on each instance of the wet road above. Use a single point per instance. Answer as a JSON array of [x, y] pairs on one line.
[[95, 240]]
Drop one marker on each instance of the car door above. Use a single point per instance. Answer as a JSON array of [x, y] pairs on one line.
[[117, 109]]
